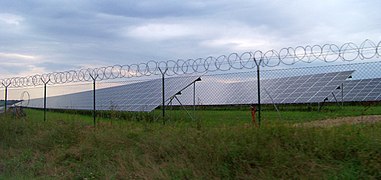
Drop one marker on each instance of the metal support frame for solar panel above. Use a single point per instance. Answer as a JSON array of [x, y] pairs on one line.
[[274, 104], [181, 105], [141, 96], [170, 100], [333, 97]]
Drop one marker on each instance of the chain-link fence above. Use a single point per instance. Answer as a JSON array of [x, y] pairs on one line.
[[273, 79], [185, 95]]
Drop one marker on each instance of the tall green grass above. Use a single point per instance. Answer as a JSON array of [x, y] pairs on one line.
[[68, 147]]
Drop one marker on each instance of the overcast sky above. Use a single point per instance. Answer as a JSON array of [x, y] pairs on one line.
[[38, 36]]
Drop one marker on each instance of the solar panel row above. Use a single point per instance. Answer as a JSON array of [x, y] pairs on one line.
[[146, 96], [295, 89], [142, 96], [359, 90]]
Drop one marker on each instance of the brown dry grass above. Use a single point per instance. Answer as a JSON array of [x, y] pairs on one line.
[[341, 121]]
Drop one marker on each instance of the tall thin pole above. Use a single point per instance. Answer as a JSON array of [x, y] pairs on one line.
[[194, 98], [6, 96], [44, 102], [94, 115], [94, 104], [342, 94], [259, 93], [6, 99], [45, 83], [163, 91]]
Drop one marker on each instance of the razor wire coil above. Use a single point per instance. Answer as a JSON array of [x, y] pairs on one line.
[[248, 60]]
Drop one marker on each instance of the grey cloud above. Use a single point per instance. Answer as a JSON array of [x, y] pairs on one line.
[[153, 9], [76, 33]]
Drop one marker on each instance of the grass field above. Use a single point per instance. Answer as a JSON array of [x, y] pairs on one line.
[[220, 144]]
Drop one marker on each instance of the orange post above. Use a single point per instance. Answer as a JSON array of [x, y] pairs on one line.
[[253, 109]]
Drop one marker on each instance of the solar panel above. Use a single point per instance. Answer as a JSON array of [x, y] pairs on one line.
[[359, 90], [142, 96], [287, 90], [212, 90]]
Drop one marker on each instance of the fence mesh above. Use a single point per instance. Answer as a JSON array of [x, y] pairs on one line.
[[216, 90]]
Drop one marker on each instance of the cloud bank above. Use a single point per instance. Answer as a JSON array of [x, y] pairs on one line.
[[41, 36]]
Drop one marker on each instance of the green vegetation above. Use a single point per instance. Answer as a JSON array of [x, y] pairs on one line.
[[218, 144]]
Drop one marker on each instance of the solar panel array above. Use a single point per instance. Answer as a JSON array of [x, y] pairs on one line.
[[359, 90], [142, 96], [212, 90], [296, 89]]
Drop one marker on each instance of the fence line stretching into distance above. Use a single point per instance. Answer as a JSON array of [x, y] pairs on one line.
[[368, 49]]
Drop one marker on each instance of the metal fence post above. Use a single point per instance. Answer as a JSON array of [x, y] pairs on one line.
[[6, 96], [258, 90], [194, 97], [45, 83], [94, 105], [163, 90], [259, 96], [342, 94]]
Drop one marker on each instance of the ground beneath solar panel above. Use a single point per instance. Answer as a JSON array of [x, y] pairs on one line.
[[341, 121]]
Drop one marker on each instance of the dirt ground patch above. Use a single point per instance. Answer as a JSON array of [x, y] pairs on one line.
[[341, 121]]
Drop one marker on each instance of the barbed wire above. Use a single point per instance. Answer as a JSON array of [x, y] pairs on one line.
[[248, 60]]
